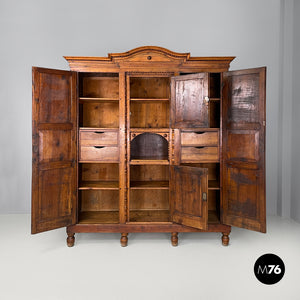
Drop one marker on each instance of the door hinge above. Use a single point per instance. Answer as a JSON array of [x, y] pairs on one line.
[[204, 196]]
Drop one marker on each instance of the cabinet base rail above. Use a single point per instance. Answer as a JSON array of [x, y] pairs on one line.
[[125, 229]]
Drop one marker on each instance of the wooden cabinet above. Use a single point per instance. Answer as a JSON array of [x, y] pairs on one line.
[[148, 141]]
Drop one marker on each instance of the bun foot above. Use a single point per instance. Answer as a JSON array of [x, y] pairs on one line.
[[174, 239], [71, 239], [225, 239], [124, 239]]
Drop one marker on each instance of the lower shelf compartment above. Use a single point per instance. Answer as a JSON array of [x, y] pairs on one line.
[[99, 217], [149, 216]]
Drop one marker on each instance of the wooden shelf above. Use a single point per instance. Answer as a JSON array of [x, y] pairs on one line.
[[144, 185], [95, 99], [149, 162], [99, 185], [151, 130], [149, 99], [213, 185], [149, 216], [112, 217], [99, 217], [164, 216]]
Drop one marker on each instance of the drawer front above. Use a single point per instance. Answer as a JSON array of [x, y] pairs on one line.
[[199, 138], [199, 154], [99, 154], [98, 138]]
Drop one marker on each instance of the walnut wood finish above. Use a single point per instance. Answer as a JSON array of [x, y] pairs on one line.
[[135, 128], [187, 188], [244, 149], [54, 145], [188, 105]]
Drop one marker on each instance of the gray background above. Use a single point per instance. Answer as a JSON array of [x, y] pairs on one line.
[[257, 32]]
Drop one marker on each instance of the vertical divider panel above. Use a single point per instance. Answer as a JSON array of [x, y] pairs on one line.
[[122, 147], [127, 156]]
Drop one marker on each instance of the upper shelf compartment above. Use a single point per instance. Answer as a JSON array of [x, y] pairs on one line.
[[99, 100], [99, 87], [149, 88]]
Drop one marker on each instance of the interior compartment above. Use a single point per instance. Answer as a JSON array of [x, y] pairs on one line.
[[99, 175], [149, 87], [99, 85], [149, 177], [149, 146], [99, 114], [149, 114], [214, 114], [149, 205], [98, 193]]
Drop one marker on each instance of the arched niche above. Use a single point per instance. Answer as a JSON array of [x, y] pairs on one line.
[[149, 146]]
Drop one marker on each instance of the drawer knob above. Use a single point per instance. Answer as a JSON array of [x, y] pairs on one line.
[[149, 57]]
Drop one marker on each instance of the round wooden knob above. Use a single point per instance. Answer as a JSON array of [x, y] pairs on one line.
[[149, 57]]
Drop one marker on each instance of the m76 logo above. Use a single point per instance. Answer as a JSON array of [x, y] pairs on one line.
[[269, 269]]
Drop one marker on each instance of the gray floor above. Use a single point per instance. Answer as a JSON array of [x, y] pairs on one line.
[[42, 266]]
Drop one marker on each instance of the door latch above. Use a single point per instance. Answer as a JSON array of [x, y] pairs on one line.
[[206, 100], [204, 196]]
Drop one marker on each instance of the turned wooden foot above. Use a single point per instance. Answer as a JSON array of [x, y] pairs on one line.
[[225, 239], [71, 239], [174, 239], [124, 239]]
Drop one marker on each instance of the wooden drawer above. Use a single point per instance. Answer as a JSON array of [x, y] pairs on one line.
[[199, 154], [200, 138], [98, 137], [99, 153]]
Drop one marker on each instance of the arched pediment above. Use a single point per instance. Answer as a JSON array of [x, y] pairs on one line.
[[150, 54]]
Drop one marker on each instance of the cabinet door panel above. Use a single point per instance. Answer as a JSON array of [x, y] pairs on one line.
[[54, 149], [188, 195], [243, 119], [188, 105]]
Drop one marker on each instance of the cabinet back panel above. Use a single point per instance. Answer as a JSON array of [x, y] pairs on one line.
[[214, 85], [99, 172], [99, 200], [149, 114], [158, 87], [100, 87], [101, 115], [149, 173], [214, 114], [149, 199]]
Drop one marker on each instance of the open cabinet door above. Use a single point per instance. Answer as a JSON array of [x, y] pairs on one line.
[[53, 149], [243, 118], [188, 196], [189, 101]]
